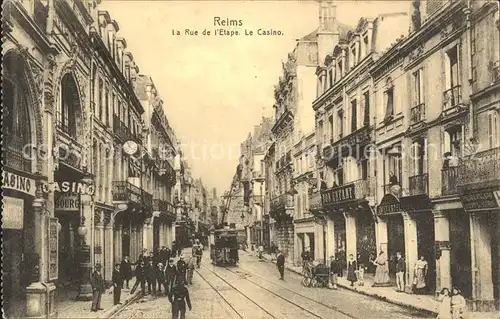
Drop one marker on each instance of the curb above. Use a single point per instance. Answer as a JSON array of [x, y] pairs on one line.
[[373, 295], [116, 308]]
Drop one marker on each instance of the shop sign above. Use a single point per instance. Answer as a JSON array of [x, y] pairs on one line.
[[389, 205], [477, 201], [338, 194], [12, 213], [53, 248], [68, 203], [19, 183]]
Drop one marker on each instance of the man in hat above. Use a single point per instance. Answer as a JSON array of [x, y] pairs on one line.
[[160, 277], [117, 280], [181, 270], [170, 273], [179, 297], [280, 263], [97, 284]]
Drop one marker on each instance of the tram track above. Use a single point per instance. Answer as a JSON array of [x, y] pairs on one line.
[[233, 287], [290, 290]]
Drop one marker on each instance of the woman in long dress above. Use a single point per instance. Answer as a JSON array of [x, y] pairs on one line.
[[382, 271], [458, 304], [444, 311], [351, 270], [420, 275]]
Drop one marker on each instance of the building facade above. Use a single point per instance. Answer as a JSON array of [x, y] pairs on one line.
[[74, 194]]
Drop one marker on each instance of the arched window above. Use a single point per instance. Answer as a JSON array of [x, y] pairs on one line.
[[95, 163], [16, 129], [68, 106]]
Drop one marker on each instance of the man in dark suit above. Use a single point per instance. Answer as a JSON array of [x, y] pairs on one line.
[[181, 270], [170, 273], [126, 270], [280, 263], [117, 279], [179, 297], [97, 283]]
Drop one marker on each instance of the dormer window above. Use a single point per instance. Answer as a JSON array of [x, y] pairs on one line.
[[389, 99], [366, 46], [353, 57], [330, 77], [339, 73]]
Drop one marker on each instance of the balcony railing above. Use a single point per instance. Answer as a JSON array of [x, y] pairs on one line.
[[495, 72], [122, 131], [419, 184], [126, 192], [282, 202], [449, 180], [161, 205], [258, 175], [417, 113], [452, 97], [147, 200], [482, 169], [355, 190]]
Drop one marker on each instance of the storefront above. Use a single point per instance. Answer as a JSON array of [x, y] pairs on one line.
[[309, 233], [483, 208], [18, 232]]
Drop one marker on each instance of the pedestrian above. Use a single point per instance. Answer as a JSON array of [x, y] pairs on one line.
[[381, 278], [160, 278], [351, 270], [334, 270], [170, 273], [360, 275], [306, 255], [458, 304], [97, 284], [151, 277], [420, 275], [126, 271], [181, 270], [280, 263], [140, 277], [400, 272], [444, 311], [190, 269], [117, 279], [273, 251], [179, 297], [163, 255]]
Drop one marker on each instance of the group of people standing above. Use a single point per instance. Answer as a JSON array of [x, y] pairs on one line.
[[152, 272]]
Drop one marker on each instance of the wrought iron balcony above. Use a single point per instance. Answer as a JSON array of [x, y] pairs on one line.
[[417, 113], [160, 205], [258, 175], [147, 200], [449, 181], [419, 184], [452, 97], [387, 190], [122, 131], [15, 152], [495, 72], [126, 192], [480, 170], [282, 202], [359, 189]]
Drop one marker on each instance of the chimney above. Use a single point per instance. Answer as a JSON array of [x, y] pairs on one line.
[[415, 16], [328, 34]]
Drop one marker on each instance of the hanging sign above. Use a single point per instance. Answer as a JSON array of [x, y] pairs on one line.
[[67, 203], [12, 213], [19, 183], [479, 201]]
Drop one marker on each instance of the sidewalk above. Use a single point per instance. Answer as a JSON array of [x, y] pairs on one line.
[[69, 307], [423, 303]]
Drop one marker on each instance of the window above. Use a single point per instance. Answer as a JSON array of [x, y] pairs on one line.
[[16, 133], [340, 130], [418, 88], [354, 115], [419, 156], [330, 77], [339, 74], [353, 57], [366, 99], [366, 45], [320, 131], [331, 128], [389, 98], [66, 116], [493, 139], [452, 76], [393, 167], [453, 141], [106, 109], [101, 95]]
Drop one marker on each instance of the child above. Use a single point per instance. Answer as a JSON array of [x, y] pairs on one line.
[[361, 275], [458, 305], [444, 311]]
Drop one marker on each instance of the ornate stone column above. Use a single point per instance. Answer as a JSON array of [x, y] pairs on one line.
[[84, 254], [330, 237], [411, 249], [108, 248], [350, 234], [117, 241], [40, 294], [443, 257]]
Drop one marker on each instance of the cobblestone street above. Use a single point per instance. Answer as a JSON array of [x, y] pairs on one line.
[[253, 290]]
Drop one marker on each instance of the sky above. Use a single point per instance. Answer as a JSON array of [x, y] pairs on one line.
[[215, 88]]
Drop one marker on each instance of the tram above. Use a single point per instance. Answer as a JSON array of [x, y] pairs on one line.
[[224, 246]]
